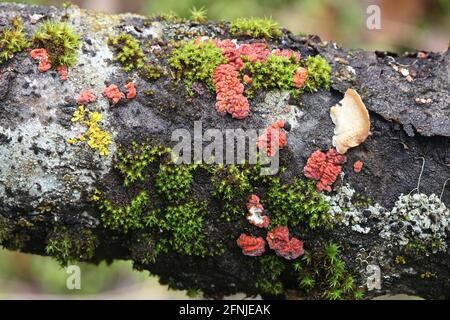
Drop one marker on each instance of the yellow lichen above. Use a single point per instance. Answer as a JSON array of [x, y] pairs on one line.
[[97, 138]]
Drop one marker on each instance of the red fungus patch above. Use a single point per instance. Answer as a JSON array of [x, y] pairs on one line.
[[41, 55], [62, 71], [230, 98], [299, 77], [131, 90], [278, 240], [357, 166], [324, 167], [86, 97], [254, 52], [113, 93], [273, 138], [256, 212], [287, 54], [251, 246]]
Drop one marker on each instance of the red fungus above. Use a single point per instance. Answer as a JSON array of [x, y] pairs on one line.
[[62, 71], [357, 166], [254, 52], [41, 55], [273, 138], [287, 54], [251, 246], [113, 93], [131, 90], [299, 77], [324, 167], [247, 79], [255, 212], [278, 240], [86, 97], [230, 98]]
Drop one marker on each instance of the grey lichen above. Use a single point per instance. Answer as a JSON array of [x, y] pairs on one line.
[[418, 221]]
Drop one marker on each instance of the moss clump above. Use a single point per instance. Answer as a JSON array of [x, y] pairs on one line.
[[276, 72], [125, 218], [97, 138], [318, 73], [231, 185], [196, 62], [152, 72], [322, 275], [174, 181], [5, 230], [128, 52], [255, 27], [133, 163], [271, 268], [66, 246], [60, 42], [297, 203], [12, 40], [198, 15], [185, 224]]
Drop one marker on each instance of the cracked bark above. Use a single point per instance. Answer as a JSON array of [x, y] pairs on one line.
[[46, 182]]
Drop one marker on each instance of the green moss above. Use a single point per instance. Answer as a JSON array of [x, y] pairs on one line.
[[60, 42], [12, 40], [297, 203], [152, 72], [5, 230], [132, 164], [275, 72], [196, 62], [124, 218], [185, 224], [231, 185], [174, 181], [143, 249], [323, 275], [67, 246], [128, 52], [318, 73], [271, 268], [198, 15], [255, 27]]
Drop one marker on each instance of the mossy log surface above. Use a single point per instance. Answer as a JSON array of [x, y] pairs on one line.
[[46, 183]]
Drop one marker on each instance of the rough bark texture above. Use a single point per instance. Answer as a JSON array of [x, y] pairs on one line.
[[45, 183]]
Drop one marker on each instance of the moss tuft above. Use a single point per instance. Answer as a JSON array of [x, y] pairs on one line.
[[12, 40], [318, 73], [297, 203], [271, 268], [185, 223], [196, 62], [125, 218], [174, 181], [276, 72], [199, 15], [65, 246], [133, 163], [128, 52], [60, 42], [323, 274], [255, 27]]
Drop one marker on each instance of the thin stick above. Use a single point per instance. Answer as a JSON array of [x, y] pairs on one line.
[[443, 188], [420, 176]]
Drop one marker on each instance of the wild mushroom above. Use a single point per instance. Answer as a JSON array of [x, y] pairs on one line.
[[352, 122]]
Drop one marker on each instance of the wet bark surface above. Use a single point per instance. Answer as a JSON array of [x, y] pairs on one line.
[[46, 183]]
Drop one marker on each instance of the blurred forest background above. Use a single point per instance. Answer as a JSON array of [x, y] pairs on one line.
[[405, 25]]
